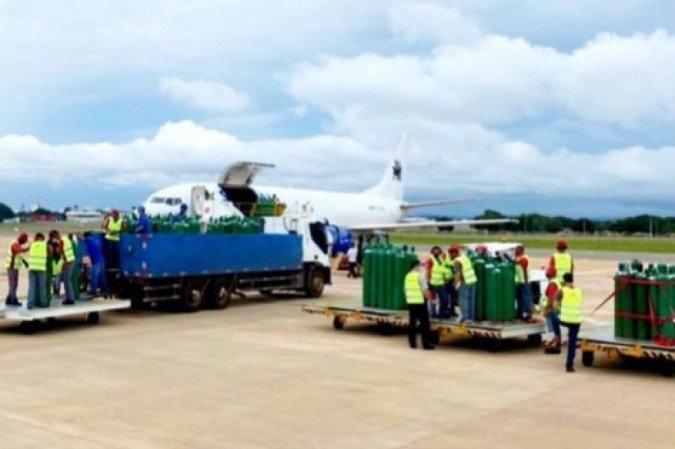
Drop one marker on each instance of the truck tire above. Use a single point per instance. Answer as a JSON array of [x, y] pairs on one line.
[[315, 283], [220, 294], [192, 298]]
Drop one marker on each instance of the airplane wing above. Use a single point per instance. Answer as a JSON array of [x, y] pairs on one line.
[[408, 206], [429, 224]]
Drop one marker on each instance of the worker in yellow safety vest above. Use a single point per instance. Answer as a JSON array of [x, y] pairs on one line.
[[551, 310], [13, 263], [37, 272], [416, 294], [114, 226], [523, 290], [570, 298], [561, 261], [68, 260], [465, 282], [436, 274]]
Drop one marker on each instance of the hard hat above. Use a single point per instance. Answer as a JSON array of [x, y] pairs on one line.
[[114, 212], [481, 249], [550, 272], [561, 245], [454, 249], [23, 238]]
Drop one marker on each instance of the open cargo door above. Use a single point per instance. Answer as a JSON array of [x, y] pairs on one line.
[[235, 184]]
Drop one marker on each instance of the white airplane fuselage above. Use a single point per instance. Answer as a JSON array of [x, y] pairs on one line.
[[342, 209]]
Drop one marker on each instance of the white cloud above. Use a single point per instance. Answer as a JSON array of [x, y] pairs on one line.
[[427, 20], [205, 94]]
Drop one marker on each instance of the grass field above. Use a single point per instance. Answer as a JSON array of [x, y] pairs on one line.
[[590, 243]]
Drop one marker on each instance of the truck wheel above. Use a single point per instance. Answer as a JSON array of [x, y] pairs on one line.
[[338, 322], [666, 367], [29, 327], [221, 294], [93, 317], [587, 358], [193, 295], [315, 284]]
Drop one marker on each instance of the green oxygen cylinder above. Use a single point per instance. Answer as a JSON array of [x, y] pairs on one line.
[[400, 271], [508, 284], [641, 330], [668, 305], [492, 292], [621, 294], [366, 294], [661, 303], [389, 261], [375, 275], [479, 269]]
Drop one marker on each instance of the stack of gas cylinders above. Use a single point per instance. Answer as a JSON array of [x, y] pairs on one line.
[[644, 304], [385, 267], [268, 206], [495, 289], [192, 225]]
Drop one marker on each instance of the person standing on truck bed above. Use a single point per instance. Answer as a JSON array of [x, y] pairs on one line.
[[465, 282], [144, 226], [113, 225], [436, 274], [97, 277], [37, 272], [561, 261], [15, 260], [416, 292], [523, 291], [68, 252]]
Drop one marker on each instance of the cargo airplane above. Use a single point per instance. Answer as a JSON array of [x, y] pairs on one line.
[[379, 208]]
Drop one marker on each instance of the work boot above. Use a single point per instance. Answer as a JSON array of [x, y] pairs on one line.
[[68, 302], [569, 368], [429, 347], [552, 349]]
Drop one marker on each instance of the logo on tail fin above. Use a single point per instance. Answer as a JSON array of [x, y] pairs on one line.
[[396, 170]]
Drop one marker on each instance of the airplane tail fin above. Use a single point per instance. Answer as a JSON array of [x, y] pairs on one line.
[[391, 185]]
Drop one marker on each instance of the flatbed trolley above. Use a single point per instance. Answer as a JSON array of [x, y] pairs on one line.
[[603, 340], [30, 319], [387, 320]]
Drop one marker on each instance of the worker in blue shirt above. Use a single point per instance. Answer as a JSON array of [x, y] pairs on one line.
[[144, 224], [97, 277], [182, 215]]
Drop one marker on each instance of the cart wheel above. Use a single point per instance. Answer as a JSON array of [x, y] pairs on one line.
[[587, 358], [534, 340], [494, 345], [93, 317], [29, 327], [666, 367], [386, 329], [338, 323]]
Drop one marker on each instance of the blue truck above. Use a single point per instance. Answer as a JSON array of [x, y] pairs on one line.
[[204, 270]]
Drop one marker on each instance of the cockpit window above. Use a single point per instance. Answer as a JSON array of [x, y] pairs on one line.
[[157, 200], [173, 201]]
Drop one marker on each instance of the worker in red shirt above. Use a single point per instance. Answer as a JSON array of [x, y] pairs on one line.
[[561, 261], [523, 291], [13, 263], [551, 308]]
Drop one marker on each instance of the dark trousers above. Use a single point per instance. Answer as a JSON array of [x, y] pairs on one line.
[[419, 314], [112, 263], [572, 337], [352, 270]]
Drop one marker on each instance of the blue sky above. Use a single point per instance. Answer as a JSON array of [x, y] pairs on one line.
[[555, 107]]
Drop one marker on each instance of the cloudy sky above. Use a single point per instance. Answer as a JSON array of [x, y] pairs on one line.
[[556, 106]]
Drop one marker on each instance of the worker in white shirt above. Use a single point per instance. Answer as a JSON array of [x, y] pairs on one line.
[[352, 258]]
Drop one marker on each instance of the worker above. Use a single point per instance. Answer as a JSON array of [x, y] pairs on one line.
[[570, 298], [465, 282], [144, 225], [561, 261], [352, 257], [453, 297], [416, 294], [97, 277], [37, 272], [113, 225], [15, 260], [68, 252], [551, 310], [181, 216], [523, 291], [436, 273]]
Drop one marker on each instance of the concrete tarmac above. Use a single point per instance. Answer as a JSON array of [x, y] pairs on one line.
[[261, 374]]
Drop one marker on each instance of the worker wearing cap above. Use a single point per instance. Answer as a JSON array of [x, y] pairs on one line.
[[113, 225], [465, 282], [561, 261], [15, 260], [570, 298], [182, 215], [523, 291], [436, 273], [551, 309], [37, 271], [416, 294], [144, 225]]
